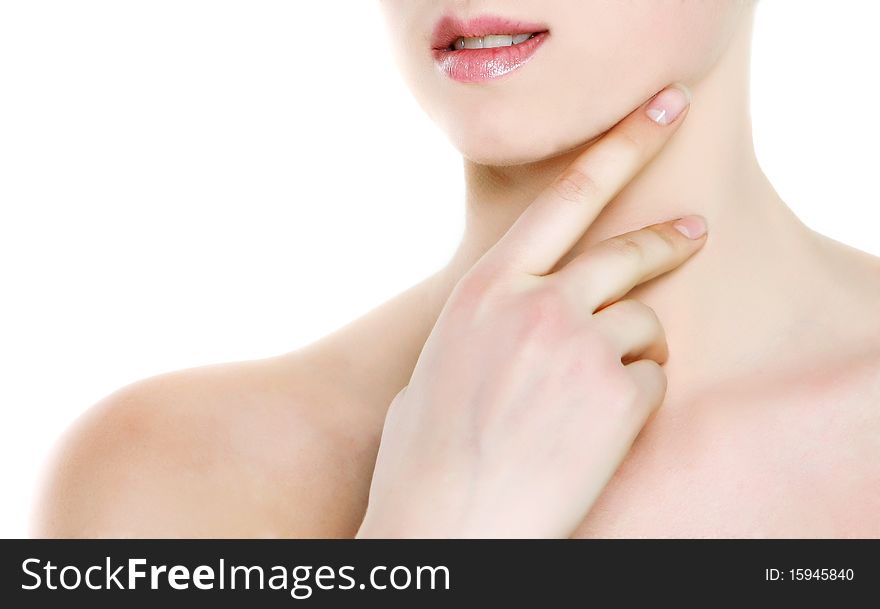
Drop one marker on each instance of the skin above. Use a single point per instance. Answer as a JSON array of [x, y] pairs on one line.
[[770, 420], [524, 357]]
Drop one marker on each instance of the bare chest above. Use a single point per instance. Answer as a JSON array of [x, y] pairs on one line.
[[802, 463]]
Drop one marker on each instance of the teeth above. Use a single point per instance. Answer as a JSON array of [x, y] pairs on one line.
[[490, 42], [493, 41]]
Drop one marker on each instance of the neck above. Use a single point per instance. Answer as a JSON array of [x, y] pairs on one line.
[[756, 249], [709, 168]]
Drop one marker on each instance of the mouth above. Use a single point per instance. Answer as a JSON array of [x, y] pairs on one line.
[[484, 48]]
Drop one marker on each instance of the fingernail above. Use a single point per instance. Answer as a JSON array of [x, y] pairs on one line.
[[692, 227], [668, 104]]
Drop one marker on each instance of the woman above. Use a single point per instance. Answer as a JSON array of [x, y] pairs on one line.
[[586, 364]]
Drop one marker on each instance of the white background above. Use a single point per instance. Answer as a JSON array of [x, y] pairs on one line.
[[184, 182]]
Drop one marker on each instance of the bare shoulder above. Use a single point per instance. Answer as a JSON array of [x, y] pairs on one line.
[[848, 307], [828, 415], [861, 407], [850, 419], [854, 314], [245, 449], [855, 271]]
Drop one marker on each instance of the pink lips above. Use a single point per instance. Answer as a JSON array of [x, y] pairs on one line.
[[480, 65]]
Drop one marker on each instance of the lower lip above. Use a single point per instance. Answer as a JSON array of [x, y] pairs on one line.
[[480, 65]]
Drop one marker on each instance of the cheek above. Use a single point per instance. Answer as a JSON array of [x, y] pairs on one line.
[[616, 43]]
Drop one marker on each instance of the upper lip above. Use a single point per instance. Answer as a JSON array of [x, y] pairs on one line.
[[449, 28]]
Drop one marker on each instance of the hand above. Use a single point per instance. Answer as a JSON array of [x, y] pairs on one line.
[[533, 385]]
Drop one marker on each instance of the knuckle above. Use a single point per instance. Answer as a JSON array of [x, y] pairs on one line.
[[575, 185], [662, 380], [602, 349], [631, 142], [580, 366], [632, 311], [626, 392], [635, 395], [651, 385], [472, 285], [646, 312], [664, 234], [603, 346], [544, 314], [591, 269], [652, 396], [590, 357], [474, 289], [627, 246]]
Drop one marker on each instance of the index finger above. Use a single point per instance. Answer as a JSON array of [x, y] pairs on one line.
[[558, 217]]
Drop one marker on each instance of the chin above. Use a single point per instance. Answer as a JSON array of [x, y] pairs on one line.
[[491, 138], [495, 153]]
